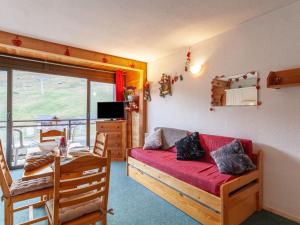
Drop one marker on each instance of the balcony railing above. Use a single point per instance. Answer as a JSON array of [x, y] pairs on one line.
[[26, 133]]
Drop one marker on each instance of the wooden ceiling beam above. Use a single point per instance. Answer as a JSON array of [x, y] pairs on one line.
[[49, 51]]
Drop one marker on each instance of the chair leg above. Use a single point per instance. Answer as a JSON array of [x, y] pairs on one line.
[[8, 213], [104, 221]]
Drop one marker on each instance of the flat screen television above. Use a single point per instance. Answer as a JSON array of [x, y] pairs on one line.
[[110, 110]]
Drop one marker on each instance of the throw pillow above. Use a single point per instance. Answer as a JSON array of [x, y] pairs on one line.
[[170, 136], [153, 140], [231, 159], [189, 148]]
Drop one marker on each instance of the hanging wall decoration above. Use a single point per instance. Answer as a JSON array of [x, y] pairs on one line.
[[104, 59], [188, 60], [17, 41], [67, 52], [165, 85], [147, 95], [132, 65], [131, 98], [236, 90]]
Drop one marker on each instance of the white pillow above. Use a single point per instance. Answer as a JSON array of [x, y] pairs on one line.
[[153, 140]]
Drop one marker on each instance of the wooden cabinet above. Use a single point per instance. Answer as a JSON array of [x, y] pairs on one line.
[[116, 131]]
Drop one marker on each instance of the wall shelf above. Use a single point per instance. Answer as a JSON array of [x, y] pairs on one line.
[[284, 78]]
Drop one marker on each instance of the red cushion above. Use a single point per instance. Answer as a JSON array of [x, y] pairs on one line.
[[200, 174], [212, 142]]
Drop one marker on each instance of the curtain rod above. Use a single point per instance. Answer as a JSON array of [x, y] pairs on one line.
[[56, 64]]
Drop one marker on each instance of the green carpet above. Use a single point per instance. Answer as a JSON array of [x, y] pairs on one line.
[[135, 205]]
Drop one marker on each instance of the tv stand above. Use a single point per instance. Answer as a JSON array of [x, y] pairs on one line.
[[117, 137]]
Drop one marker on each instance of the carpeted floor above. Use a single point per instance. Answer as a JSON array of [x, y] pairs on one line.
[[135, 205]]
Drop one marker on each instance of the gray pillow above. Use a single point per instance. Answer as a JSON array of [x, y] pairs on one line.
[[231, 159], [170, 136], [153, 140]]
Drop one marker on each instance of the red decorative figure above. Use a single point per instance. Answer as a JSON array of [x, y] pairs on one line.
[[188, 60], [62, 142], [104, 59], [67, 52], [17, 42], [132, 65], [62, 146]]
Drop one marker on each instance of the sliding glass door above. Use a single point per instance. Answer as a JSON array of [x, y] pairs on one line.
[[99, 92], [3, 108], [43, 102], [31, 102]]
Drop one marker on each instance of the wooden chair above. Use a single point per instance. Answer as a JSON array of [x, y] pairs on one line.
[[80, 198], [18, 190], [44, 136], [100, 147]]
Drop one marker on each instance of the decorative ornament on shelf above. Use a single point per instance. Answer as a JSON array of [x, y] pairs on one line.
[[67, 52], [147, 94], [132, 100], [17, 41], [165, 85], [188, 60]]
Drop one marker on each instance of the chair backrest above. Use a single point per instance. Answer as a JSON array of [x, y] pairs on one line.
[[5, 177], [44, 136], [100, 147], [73, 184]]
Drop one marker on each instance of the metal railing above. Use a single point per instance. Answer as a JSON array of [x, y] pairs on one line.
[[26, 132]]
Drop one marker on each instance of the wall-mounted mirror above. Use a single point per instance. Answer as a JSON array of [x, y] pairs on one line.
[[236, 90]]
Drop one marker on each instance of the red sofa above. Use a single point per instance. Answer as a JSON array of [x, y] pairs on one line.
[[200, 175]]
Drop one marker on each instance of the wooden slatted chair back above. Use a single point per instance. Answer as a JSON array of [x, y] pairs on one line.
[[44, 136], [5, 177], [73, 184], [100, 147]]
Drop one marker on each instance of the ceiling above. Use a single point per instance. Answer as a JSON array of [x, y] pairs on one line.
[[139, 29]]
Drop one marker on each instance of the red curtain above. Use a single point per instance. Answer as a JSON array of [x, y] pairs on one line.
[[119, 86]]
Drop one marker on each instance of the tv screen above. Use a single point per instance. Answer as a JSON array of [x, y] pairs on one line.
[[111, 110]]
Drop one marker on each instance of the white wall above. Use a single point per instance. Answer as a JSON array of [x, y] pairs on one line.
[[270, 42]]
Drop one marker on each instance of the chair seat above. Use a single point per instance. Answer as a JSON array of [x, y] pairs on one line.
[[19, 187], [75, 211]]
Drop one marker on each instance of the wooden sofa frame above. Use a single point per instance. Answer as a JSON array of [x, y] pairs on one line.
[[239, 198]]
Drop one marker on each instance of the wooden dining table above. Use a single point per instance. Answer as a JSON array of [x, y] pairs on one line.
[[43, 171]]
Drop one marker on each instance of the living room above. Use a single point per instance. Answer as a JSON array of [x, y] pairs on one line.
[[191, 107]]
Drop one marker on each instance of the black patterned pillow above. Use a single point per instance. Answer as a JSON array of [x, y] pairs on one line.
[[231, 159], [189, 148]]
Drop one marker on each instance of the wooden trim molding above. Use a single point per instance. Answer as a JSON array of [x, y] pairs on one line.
[[281, 213], [49, 51]]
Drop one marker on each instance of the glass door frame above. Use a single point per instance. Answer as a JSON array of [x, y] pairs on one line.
[[9, 121], [88, 112]]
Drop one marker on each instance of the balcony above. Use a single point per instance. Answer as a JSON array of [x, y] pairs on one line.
[[26, 134]]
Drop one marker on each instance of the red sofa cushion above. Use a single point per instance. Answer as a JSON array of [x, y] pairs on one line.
[[212, 142], [199, 174]]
